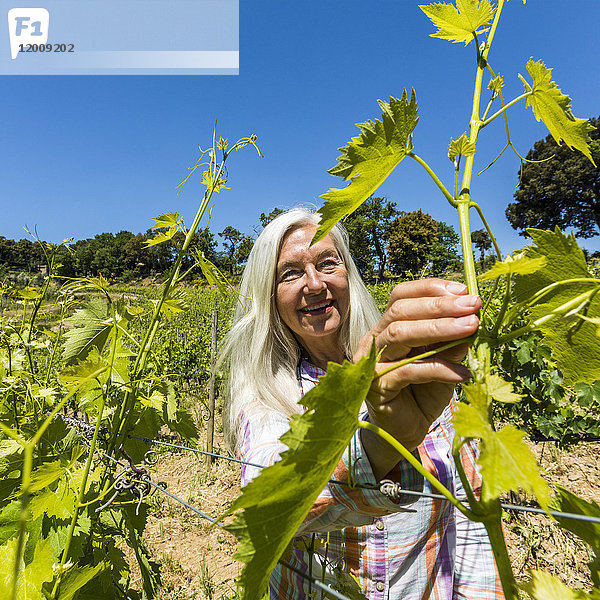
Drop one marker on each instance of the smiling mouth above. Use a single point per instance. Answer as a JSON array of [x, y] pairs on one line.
[[317, 309]]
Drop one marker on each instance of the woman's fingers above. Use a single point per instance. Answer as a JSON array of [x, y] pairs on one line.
[[423, 288], [400, 337], [419, 372], [422, 308], [423, 313]]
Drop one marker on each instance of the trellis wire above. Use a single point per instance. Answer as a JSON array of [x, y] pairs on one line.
[[514, 507], [323, 587]]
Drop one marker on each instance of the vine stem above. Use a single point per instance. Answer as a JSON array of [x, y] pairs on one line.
[[56, 343], [390, 439], [435, 178], [473, 502], [24, 515], [493, 526], [82, 490], [488, 229], [429, 353], [558, 312], [504, 109], [464, 200], [88, 462], [28, 448], [140, 362], [492, 510], [490, 514]]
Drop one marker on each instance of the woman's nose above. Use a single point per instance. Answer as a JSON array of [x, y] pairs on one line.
[[313, 281]]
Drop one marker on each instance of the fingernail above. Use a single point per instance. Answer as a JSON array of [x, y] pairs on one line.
[[456, 288], [464, 372], [467, 301], [467, 321]]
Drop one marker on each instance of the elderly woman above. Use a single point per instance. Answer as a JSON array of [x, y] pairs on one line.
[[306, 306]]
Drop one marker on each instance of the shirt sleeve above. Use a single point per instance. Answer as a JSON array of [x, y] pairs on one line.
[[339, 505]]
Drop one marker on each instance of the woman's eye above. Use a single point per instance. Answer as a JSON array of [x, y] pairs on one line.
[[291, 274], [328, 264]]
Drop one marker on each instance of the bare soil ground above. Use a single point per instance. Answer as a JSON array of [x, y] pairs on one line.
[[198, 562], [535, 541], [197, 558]]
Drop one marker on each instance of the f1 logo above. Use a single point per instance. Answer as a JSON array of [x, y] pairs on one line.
[[27, 26]]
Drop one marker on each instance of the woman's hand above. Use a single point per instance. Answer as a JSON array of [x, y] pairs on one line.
[[420, 316]]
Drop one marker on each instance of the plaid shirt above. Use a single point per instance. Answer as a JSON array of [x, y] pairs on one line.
[[416, 549]]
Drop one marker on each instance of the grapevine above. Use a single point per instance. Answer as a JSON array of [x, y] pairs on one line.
[[77, 404], [545, 289]]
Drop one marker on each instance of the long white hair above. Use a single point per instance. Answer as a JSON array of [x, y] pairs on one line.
[[261, 350]]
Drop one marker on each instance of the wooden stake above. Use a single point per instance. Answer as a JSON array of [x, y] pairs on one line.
[[210, 433]]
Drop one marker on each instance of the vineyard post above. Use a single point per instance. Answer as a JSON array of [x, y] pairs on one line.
[[211, 386]]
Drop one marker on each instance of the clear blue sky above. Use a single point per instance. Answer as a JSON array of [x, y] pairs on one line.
[[83, 155]]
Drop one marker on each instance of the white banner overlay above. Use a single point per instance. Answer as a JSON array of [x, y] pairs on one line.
[[122, 37], [27, 26]]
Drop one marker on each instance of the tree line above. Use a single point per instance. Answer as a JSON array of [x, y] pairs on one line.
[[557, 187], [123, 255], [384, 242]]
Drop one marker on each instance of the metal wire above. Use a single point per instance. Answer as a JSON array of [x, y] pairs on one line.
[[203, 452], [323, 587], [513, 507], [196, 510]]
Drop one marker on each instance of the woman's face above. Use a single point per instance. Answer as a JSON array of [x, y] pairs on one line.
[[312, 293]]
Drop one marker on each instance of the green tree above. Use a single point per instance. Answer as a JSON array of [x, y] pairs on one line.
[[266, 219], [443, 254], [232, 240], [482, 241], [410, 239], [243, 251], [562, 191], [368, 228], [105, 255]]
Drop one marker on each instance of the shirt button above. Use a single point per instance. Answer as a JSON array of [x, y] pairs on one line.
[[379, 524], [380, 587]]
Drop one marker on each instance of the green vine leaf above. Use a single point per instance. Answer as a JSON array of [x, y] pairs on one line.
[[368, 159], [161, 237], [461, 147], [506, 462], [553, 107], [575, 345], [501, 390], [348, 585], [496, 84], [92, 328], [175, 302], [273, 506], [29, 293], [31, 576], [77, 577], [171, 219], [568, 502], [544, 586], [459, 23], [213, 275], [519, 265], [209, 181]]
